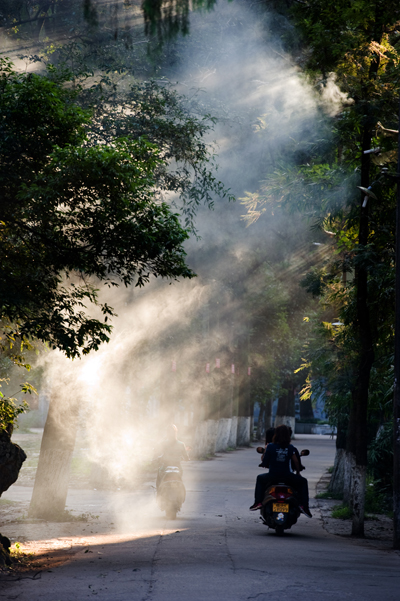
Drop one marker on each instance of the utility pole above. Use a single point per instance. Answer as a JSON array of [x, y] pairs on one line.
[[396, 399]]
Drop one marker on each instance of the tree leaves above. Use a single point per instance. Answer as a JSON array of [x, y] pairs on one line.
[[84, 202]]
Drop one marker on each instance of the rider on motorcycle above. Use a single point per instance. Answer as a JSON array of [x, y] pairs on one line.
[[172, 451], [277, 457]]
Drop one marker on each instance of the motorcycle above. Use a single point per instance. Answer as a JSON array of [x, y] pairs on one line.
[[280, 507], [171, 492]]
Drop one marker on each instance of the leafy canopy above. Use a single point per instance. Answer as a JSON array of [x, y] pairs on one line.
[[78, 205]]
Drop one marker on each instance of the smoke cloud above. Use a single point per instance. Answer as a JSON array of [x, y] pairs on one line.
[[154, 370]]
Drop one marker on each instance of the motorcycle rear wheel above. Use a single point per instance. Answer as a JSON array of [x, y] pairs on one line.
[[279, 530], [170, 512]]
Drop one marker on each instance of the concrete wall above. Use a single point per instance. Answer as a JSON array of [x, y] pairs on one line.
[[243, 431], [212, 432], [199, 441], [233, 433], [314, 429], [214, 436], [286, 420], [223, 434]]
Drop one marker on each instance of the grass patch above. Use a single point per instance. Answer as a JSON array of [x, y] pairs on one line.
[[7, 502], [329, 495], [341, 512], [80, 466], [330, 469], [68, 516]]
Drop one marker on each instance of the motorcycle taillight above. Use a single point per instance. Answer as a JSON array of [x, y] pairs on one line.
[[282, 492]]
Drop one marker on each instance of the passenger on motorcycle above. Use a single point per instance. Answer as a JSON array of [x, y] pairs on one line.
[[278, 457]]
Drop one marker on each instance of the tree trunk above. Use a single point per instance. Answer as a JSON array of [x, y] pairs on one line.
[[51, 482], [260, 432], [396, 400], [357, 438], [225, 393], [244, 407], [348, 465], [306, 410], [268, 414], [336, 484], [358, 481], [285, 410]]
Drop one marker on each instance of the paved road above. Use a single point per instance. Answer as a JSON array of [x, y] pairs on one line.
[[217, 550]]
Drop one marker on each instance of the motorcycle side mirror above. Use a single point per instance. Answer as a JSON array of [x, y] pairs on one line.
[[304, 452], [260, 450]]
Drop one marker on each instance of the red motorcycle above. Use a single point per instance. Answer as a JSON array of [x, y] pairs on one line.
[[280, 507]]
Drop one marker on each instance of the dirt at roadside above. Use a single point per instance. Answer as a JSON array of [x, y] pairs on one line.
[[45, 545], [378, 528]]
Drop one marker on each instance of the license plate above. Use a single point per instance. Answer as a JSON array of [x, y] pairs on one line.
[[280, 507]]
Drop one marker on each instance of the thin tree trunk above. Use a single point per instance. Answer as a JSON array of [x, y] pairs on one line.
[[260, 423], [396, 400], [285, 413], [268, 414], [51, 483], [336, 484]]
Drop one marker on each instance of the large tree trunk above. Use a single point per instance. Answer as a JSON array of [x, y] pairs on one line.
[[396, 400], [358, 482], [336, 484], [357, 440], [348, 465], [51, 482], [306, 409]]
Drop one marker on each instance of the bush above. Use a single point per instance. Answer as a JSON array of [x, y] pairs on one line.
[[342, 512], [380, 462]]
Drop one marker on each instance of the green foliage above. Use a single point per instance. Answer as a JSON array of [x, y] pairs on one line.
[[10, 408], [83, 199], [176, 126], [380, 459], [328, 495], [355, 48], [342, 512], [377, 499]]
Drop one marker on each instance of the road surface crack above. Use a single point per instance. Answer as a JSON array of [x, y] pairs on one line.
[[152, 580]]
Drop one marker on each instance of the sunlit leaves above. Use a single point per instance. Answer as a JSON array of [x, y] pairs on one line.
[[74, 209]]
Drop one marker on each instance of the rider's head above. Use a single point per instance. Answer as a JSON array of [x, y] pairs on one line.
[[282, 436]]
